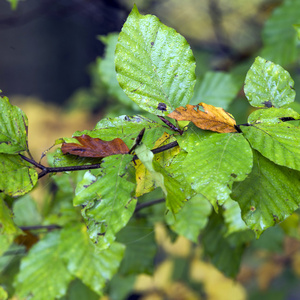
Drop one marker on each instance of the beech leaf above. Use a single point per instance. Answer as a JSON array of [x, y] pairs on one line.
[[212, 118], [94, 147]]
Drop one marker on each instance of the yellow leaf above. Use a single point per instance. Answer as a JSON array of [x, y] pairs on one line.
[[216, 285], [213, 118], [144, 180]]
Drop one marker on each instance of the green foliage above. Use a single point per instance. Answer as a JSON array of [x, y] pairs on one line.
[[13, 131], [13, 4], [279, 36], [172, 189], [213, 164], [161, 69], [107, 72], [138, 236], [85, 261], [8, 229], [216, 88], [222, 189], [268, 84], [17, 177], [197, 211], [111, 203], [43, 274], [268, 195]]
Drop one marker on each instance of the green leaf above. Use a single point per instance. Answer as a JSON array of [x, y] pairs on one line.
[[85, 261], [13, 4], [217, 88], [3, 294], [61, 210], [78, 291], [297, 28], [13, 129], [139, 238], [43, 274], [279, 36], [17, 177], [127, 128], [120, 287], [111, 210], [272, 115], [268, 84], [154, 64], [26, 212], [107, 71], [278, 142], [8, 229], [214, 162], [191, 218], [225, 252], [268, 195], [172, 189], [232, 217]]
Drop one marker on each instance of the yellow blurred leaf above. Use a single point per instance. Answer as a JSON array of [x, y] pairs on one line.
[[267, 272], [216, 285], [296, 263], [181, 247]]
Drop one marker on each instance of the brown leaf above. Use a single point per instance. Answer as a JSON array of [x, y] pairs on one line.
[[94, 147], [213, 118]]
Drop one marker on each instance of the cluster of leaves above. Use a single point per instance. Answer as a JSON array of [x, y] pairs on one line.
[[226, 181]]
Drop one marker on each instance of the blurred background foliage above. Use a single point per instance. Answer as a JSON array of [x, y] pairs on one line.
[[56, 63]]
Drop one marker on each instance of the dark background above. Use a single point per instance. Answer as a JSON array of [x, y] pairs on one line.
[[46, 46]]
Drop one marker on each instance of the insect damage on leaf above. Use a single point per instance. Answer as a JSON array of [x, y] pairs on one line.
[[94, 147], [213, 118]]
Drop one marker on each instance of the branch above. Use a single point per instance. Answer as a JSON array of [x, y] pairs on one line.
[[37, 227], [172, 126], [147, 204], [47, 170]]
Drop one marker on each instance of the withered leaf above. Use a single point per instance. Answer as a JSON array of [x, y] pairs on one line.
[[213, 118], [94, 147]]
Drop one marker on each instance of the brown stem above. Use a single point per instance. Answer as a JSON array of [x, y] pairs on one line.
[[47, 170], [37, 227], [172, 126]]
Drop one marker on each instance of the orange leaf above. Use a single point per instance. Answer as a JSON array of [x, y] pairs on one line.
[[94, 147], [213, 118]]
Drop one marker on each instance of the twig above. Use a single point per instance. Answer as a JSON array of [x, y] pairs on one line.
[[37, 227], [172, 126], [137, 140], [147, 204], [47, 170]]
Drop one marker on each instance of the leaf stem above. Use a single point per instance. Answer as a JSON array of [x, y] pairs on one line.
[[172, 126]]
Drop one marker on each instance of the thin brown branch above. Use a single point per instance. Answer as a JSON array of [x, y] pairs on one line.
[[38, 227], [172, 126], [47, 170], [147, 204]]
